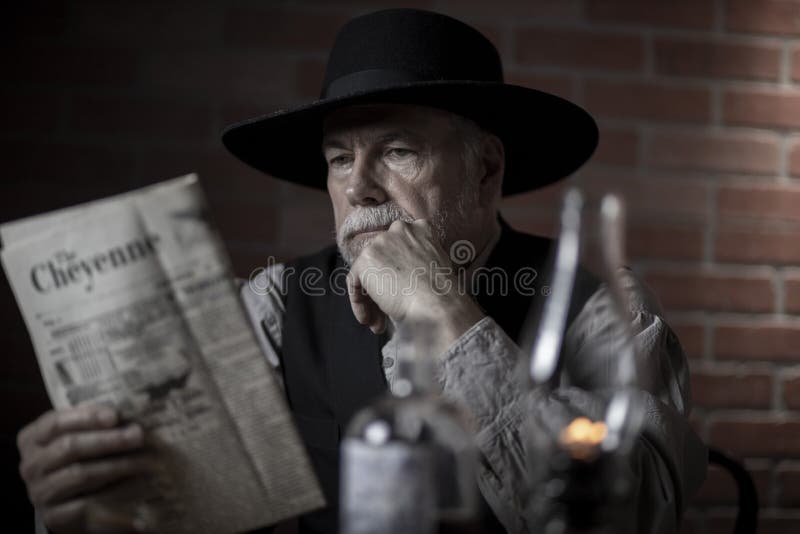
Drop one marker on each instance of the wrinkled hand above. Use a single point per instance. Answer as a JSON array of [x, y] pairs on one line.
[[67, 455], [404, 274]]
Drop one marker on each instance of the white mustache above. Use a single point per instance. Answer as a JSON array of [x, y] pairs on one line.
[[372, 218]]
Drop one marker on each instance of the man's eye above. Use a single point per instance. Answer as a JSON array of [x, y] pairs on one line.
[[399, 152], [340, 160]]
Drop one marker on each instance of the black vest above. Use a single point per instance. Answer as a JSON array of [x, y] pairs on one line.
[[332, 364]]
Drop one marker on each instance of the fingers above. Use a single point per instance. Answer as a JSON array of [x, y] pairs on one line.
[[383, 279], [424, 226], [56, 422], [67, 455], [413, 228], [92, 518], [378, 326], [64, 516], [83, 477], [77, 446], [365, 310]]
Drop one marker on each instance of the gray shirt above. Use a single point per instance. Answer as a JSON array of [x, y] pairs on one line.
[[480, 372]]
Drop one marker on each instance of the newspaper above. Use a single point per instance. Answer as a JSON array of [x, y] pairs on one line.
[[130, 302]]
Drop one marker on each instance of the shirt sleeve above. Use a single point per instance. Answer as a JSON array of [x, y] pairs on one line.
[[480, 371]]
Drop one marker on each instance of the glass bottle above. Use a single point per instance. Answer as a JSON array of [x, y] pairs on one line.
[[408, 459], [587, 421]]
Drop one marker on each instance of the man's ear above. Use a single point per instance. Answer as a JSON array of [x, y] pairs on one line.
[[493, 156]]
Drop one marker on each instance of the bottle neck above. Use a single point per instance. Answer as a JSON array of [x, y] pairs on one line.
[[416, 369], [415, 375]]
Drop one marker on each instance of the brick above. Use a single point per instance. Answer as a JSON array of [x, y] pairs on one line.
[[692, 521], [768, 109], [794, 160], [630, 100], [239, 187], [281, 28], [765, 436], [546, 199], [766, 201], [539, 9], [722, 522], [244, 203], [532, 222], [649, 196], [33, 167], [724, 152], [660, 241], [21, 367], [709, 525], [796, 64], [788, 524], [305, 212], [716, 59], [725, 389], [89, 66], [236, 111], [578, 48], [140, 117], [29, 402], [757, 243], [416, 4], [791, 293], [37, 22], [562, 86], [223, 75], [236, 224], [757, 341], [789, 485], [712, 291], [694, 14], [32, 111], [720, 487], [310, 74], [692, 337], [791, 393], [249, 257], [168, 24], [617, 147], [780, 17]]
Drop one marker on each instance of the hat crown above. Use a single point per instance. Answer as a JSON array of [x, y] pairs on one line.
[[398, 46]]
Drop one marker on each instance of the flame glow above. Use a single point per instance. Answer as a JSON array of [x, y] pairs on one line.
[[582, 437]]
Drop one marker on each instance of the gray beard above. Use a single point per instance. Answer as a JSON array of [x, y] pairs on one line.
[[447, 223], [364, 220]]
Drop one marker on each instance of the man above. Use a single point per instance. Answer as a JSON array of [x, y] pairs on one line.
[[419, 140]]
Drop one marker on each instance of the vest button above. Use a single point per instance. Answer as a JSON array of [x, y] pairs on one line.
[[388, 362]]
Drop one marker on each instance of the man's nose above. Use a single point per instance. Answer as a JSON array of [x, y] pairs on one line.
[[364, 186]]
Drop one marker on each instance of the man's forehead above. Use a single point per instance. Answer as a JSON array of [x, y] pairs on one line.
[[378, 118]]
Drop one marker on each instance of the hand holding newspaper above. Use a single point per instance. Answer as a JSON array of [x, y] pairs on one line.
[[130, 302]]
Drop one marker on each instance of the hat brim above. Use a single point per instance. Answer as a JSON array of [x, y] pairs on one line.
[[546, 138]]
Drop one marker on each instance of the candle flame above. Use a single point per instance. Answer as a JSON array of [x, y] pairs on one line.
[[582, 437]]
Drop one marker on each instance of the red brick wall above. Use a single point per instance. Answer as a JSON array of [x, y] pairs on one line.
[[698, 106]]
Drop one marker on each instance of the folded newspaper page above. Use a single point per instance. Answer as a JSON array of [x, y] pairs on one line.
[[130, 302]]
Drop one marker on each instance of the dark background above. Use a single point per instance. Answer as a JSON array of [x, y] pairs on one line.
[[699, 109]]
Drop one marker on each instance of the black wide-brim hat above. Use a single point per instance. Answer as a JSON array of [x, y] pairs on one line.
[[418, 57]]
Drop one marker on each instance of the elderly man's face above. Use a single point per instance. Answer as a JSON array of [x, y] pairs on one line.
[[388, 162]]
